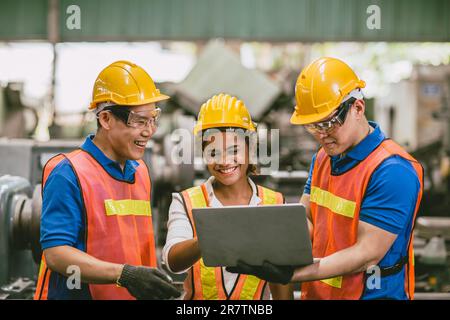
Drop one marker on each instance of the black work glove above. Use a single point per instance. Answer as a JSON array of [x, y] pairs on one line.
[[145, 283], [268, 271]]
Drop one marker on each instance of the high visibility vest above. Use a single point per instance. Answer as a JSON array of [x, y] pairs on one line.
[[335, 202], [206, 283], [118, 220]]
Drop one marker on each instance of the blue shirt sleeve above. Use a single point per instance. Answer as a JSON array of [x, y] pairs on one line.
[[62, 219], [307, 189], [391, 195]]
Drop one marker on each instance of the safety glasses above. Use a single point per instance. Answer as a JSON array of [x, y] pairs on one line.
[[336, 120], [136, 119]]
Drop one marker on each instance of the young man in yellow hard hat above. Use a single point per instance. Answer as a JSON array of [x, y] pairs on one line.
[[226, 130], [362, 195], [96, 222]]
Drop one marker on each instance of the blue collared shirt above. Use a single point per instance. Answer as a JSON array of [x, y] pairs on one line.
[[383, 205], [63, 221]]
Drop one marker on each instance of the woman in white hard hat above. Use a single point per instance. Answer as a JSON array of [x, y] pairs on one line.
[[225, 126]]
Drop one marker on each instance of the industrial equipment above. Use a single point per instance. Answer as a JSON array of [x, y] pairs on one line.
[[432, 253], [19, 232]]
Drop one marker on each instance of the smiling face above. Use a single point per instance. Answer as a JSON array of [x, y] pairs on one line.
[[127, 142], [226, 156]]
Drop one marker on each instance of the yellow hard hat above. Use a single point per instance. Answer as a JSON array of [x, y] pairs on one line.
[[125, 83], [320, 89], [223, 110]]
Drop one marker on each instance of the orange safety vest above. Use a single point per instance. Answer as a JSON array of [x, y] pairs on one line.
[[206, 283], [335, 202], [118, 220]]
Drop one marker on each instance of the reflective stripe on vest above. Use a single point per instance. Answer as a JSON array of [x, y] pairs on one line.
[[335, 202], [118, 220], [210, 285], [128, 207], [42, 282]]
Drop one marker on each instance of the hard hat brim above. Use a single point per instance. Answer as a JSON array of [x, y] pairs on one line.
[[307, 119], [159, 98], [199, 127]]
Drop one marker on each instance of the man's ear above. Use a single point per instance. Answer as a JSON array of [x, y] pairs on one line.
[[360, 107], [105, 119]]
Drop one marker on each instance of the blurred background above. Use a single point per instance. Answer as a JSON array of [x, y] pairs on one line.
[[52, 50]]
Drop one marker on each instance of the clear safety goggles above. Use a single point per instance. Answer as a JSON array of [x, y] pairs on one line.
[[136, 119], [336, 120]]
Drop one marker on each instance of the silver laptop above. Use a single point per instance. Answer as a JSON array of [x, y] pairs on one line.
[[276, 233]]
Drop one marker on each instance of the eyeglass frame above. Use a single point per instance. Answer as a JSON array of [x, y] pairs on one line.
[[338, 118], [123, 113]]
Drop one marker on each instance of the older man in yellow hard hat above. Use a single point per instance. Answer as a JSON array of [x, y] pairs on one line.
[[96, 216]]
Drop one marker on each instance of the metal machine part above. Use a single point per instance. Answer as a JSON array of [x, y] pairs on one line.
[[16, 261], [216, 70], [427, 227], [22, 288], [432, 253], [26, 223], [17, 120]]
